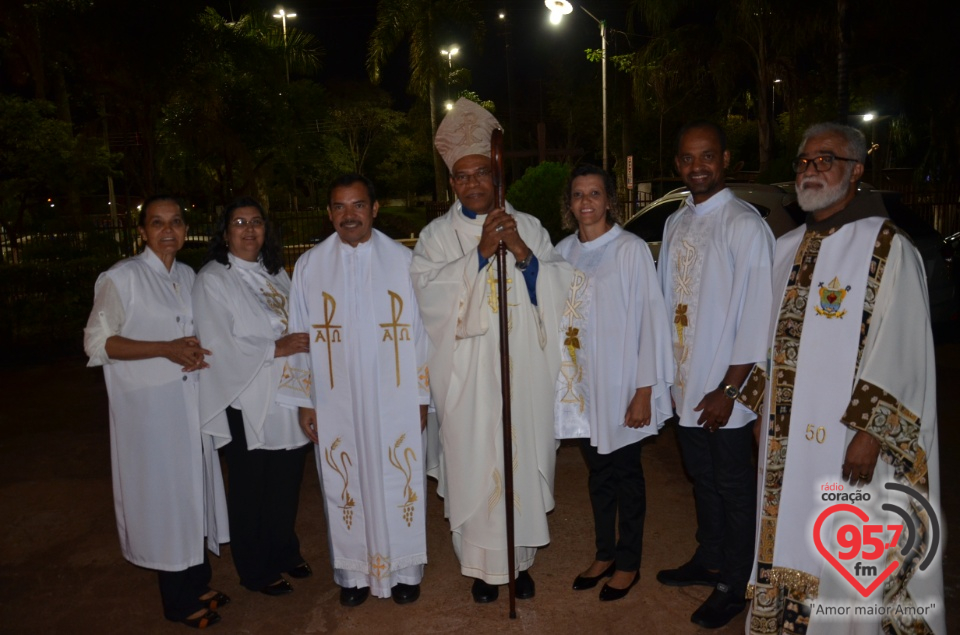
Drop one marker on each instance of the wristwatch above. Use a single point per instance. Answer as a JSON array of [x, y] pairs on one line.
[[523, 264], [729, 390]]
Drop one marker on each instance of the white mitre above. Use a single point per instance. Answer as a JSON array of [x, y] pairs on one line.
[[465, 130]]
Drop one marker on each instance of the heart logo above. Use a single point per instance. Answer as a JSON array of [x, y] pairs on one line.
[[863, 516]]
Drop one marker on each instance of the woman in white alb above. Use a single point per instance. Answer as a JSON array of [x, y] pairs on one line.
[[240, 306], [615, 370], [167, 489]]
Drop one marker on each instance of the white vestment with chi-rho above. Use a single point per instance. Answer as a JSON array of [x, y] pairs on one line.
[[366, 377]]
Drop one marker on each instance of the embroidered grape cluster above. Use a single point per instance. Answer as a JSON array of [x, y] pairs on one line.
[[408, 514], [348, 516]]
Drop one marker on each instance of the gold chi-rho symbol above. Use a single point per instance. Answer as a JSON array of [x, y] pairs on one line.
[[395, 331], [327, 332]]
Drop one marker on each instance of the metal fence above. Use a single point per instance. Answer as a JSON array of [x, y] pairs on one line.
[[101, 237], [940, 207]]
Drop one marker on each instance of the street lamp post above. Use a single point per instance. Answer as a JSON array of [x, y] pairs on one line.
[[560, 8], [873, 146], [773, 99], [453, 50], [283, 15]]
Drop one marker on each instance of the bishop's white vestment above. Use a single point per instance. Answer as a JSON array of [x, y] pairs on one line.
[[458, 301], [851, 351], [167, 487], [366, 377], [615, 339]]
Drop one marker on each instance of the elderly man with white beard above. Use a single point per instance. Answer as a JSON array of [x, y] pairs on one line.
[[848, 405]]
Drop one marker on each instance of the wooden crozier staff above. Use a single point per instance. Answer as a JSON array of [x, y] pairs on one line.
[[496, 161]]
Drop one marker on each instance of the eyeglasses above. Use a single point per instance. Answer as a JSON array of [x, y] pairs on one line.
[[821, 163], [240, 223], [479, 176]]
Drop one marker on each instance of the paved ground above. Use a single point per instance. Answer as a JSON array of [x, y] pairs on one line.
[[61, 569]]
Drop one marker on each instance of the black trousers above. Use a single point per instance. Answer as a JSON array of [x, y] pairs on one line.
[[180, 591], [725, 491], [262, 498], [617, 488]]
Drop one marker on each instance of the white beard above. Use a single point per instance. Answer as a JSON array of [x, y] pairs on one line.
[[816, 199]]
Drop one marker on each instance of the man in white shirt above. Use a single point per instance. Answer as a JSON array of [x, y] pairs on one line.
[[715, 274], [455, 278], [363, 391]]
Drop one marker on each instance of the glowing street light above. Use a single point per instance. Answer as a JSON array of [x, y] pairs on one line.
[[560, 8], [283, 15], [453, 50]]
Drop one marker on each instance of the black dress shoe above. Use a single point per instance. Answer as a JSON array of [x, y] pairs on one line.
[[405, 593], [582, 582], [609, 594], [300, 571], [524, 586], [353, 596], [280, 587], [484, 593], [688, 574], [721, 607]]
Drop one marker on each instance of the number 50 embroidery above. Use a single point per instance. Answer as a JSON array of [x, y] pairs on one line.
[[819, 433]]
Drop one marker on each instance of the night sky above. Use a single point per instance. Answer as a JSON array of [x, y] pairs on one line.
[[536, 47]]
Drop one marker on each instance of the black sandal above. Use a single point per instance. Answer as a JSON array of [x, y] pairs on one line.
[[217, 600], [209, 618]]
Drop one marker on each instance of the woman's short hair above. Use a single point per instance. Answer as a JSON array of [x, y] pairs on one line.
[[271, 254], [156, 198], [569, 221]]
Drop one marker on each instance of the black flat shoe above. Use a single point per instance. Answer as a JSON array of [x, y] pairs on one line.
[[525, 587], [609, 594], [582, 582], [280, 587], [300, 571], [405, 593], [354, 596], [217, 600], [484, 593], [209, 618]]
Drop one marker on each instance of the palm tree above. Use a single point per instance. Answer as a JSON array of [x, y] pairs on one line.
[[229, 120], [421, 23]]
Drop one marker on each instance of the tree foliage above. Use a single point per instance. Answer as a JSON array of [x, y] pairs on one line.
[[421, 24], [40, 160], [539, 192]]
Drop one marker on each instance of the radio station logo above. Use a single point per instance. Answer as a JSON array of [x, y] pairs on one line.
[[861, 541]]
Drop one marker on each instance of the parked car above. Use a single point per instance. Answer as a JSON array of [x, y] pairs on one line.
[[944, 299], [777, 204]]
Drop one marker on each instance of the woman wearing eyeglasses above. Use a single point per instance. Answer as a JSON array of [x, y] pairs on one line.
[[240, 307]]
